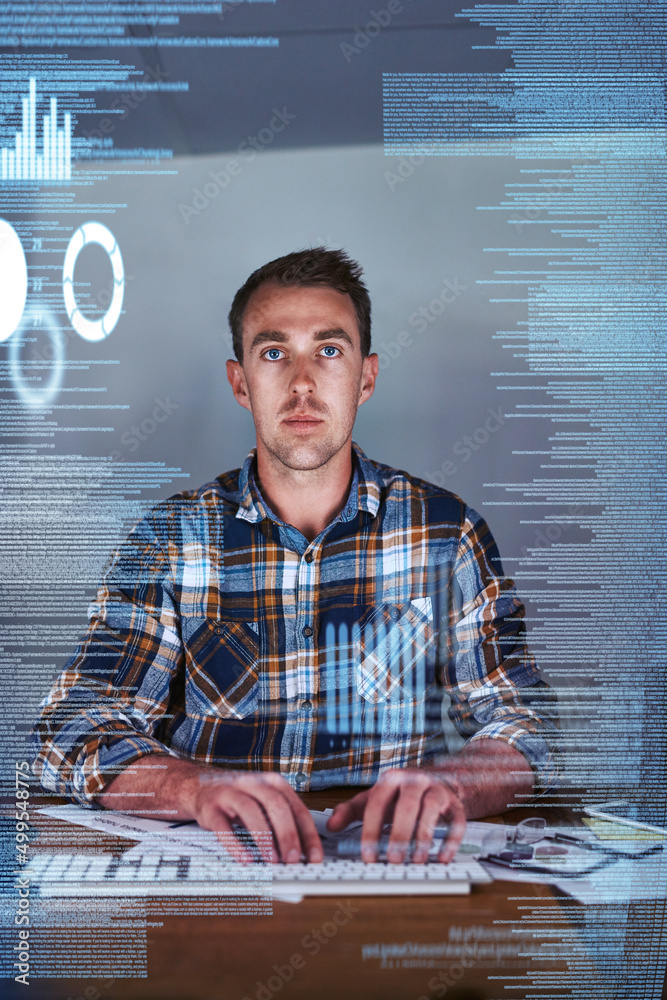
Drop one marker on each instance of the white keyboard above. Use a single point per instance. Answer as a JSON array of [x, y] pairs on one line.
[[172, 874], [356, 878]]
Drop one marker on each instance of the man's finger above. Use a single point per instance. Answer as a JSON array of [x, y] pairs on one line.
[[378, 809], [280, 815], [310, 842], [457, 827], [243, 808], [215, 819], [347, 812], [434, 805], [407, 809], [310, 838], [228, 805]]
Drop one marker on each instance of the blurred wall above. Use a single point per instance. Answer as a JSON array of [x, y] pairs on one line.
[[189, 239]]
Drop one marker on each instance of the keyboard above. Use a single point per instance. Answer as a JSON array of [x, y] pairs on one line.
[[176, 874]]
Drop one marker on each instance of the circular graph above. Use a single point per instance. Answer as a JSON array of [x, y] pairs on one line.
[[93, 329]]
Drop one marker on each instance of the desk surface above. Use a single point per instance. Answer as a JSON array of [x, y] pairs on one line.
[[327, 947]]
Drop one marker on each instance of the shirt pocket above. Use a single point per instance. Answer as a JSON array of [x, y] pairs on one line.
[[394, 651], [221, 668]]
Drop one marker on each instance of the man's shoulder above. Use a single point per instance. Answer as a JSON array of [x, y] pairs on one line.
[[400, 486], [220, 495], [223, 489]]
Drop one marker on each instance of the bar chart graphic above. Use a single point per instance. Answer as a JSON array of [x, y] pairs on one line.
[[52, 161]]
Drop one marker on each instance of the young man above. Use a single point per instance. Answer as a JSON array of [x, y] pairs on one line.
[[293, 624]]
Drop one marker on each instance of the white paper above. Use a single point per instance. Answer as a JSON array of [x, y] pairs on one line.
[[644, 878], [117, 824], [479, 836]]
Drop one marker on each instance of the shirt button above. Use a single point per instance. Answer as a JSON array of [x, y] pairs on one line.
[[308, 557], [307, 631], [219, 629], [395, 613], [300, 777], [307, 705]]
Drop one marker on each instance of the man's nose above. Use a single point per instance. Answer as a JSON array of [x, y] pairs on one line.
[[303, 377]]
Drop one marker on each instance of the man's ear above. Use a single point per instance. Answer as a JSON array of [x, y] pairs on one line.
[[369, 372], [236, 378]]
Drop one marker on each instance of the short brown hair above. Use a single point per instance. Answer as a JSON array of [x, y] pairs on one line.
[[313, 266]]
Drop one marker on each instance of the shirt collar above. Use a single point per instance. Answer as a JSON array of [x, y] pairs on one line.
[[370, 483], [364, 492]]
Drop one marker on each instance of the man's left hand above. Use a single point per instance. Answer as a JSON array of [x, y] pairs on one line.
[[413, 800]]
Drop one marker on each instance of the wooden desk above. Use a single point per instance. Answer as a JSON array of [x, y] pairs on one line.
[[262, 957]]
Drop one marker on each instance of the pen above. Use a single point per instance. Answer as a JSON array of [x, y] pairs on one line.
[[608, 849], [568, 838]]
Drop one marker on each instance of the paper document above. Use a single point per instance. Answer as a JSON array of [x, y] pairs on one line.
[[480, 838], [615, 879]]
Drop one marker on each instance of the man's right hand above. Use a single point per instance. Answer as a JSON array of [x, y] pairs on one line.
[[163, 787], [262, 802]]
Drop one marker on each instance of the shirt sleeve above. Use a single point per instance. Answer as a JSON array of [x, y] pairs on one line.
[[495, 686], [104, 708]]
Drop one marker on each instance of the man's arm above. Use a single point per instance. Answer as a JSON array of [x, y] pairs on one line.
[[165, 788], [496, 689], [95, 740], [488, 776], [482, 779], [103, 710]]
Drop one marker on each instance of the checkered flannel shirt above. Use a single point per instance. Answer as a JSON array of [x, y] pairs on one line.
[[221, 635]]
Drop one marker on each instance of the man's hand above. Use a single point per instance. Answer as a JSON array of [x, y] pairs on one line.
[[484, 778], [163, 787], [414, 800], [262, 803]]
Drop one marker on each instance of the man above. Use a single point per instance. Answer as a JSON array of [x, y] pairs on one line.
[[294, 624]]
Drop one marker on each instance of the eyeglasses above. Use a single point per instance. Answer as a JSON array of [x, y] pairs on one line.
[[521, 844], [528, 831]]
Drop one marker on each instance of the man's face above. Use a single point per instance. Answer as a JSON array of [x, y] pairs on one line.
[[303, 375]]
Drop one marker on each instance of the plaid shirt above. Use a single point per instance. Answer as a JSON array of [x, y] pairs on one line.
[[221, 635]]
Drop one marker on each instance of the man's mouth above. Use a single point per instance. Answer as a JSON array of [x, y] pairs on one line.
[[305, 420]]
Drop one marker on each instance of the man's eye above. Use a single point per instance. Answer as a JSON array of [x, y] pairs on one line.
[[330, 351], [273, 353]]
